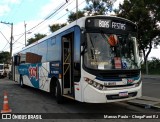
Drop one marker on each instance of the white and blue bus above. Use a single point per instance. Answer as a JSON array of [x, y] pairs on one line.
[[94, 60]]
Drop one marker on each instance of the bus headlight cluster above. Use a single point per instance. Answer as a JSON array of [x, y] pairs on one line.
[[93, 83], [138, 83]]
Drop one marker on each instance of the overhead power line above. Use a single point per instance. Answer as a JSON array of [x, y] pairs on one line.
[[37, 22], [4, 37], [58, 12], [69, 11], [47, 17], [55, 12], [4, 47], [41, 21], [11, 24]]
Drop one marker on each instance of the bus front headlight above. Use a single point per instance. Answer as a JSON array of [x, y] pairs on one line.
[[94, 84], [138, 83]]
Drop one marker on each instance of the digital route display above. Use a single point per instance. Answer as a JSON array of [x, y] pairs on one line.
[[111, 23]]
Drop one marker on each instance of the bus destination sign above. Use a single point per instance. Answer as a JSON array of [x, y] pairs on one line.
[[108, 24], [111, 24]]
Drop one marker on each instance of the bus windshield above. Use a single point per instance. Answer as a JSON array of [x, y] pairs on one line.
[[111, 51]]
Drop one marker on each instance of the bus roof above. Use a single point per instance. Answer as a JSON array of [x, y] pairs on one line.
[[80, 22]]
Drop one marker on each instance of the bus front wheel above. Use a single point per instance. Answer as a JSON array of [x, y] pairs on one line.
[[59, 97]]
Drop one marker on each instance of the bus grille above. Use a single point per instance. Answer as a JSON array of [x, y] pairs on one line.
[[119, 75], [116, 96]]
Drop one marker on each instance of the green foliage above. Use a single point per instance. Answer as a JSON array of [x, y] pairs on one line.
[[36, 38], [145, 14], [153, 66], [55, 27], [73, 16], [94, 7], [99, 7], [4, 57]]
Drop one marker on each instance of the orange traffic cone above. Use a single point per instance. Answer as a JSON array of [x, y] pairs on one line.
[[5, 104]]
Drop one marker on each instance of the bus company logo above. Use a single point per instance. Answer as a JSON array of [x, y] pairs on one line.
[[130, 81], [33, 72]]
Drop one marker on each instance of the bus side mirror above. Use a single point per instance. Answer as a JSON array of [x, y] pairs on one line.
[[83, 43], [83, 38], [77, 66]]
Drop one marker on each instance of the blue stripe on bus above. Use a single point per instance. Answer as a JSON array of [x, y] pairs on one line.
[[109, 79], [32, 71], [55, 69], [116, 79]]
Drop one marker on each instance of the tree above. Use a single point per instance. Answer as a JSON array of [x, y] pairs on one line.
[[153, 66], [98, 7], [4, 57], [36, 38], [94, 7], [73, 16], [146, 14], [55, 27]]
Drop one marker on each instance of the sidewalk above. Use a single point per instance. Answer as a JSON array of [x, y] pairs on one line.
[[146, 102]]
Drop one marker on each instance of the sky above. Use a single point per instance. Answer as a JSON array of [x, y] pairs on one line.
[[32, 12]]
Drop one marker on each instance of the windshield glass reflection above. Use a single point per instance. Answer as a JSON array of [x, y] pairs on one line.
[[110, 51]]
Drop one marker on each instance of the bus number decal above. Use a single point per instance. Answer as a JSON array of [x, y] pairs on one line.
[[33, 72], [104, 24]]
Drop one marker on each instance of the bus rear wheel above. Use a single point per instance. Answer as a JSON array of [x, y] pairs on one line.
[[21, 82]]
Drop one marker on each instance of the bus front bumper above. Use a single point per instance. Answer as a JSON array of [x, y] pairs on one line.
[[93, 95]]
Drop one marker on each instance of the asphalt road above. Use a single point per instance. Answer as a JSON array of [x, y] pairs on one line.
[[151, 86], [30, 100]]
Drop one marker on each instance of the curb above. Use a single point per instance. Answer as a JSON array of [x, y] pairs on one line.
[[146, 102], [146, 106]]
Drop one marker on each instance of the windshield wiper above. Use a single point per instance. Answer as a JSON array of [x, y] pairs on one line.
[[104, 37], [92, 49]]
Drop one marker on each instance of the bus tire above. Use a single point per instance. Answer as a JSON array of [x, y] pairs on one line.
[[53, 87], [21, 82], [59, 97]]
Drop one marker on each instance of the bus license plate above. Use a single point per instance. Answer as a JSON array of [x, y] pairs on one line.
[[123, 94]]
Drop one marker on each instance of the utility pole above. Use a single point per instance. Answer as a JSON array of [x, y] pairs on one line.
[[25, 32], [11, 44], [11, 36], [76, 9]]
